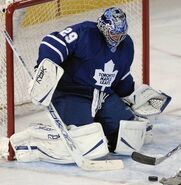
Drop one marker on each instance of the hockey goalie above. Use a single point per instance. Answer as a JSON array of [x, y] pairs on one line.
[[41, 142], [84, 71]]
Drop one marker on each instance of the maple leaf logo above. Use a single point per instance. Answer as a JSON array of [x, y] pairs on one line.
[[106, 77]]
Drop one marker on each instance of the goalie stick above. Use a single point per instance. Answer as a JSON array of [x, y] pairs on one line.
[[145, 159], [60, 127]]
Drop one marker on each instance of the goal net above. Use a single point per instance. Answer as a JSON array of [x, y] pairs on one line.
[[28, 22]]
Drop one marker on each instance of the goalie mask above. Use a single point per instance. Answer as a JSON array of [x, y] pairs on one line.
[[113, 25]]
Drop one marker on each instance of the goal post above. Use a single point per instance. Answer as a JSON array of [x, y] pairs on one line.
[[28, 21]]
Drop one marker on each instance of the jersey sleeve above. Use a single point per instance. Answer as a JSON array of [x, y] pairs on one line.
[[57, 46]]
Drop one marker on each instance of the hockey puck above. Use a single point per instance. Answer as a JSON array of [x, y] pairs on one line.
[[153, 178]]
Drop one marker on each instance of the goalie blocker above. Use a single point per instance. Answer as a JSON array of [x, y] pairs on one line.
[[44, 82]]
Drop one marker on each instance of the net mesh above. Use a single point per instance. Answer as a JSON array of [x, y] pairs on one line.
[[33, 23]]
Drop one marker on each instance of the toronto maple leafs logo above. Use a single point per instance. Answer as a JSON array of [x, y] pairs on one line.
[[106, 77]]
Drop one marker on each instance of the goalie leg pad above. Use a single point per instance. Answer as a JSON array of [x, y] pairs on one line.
[[149, 133], [149, 130], [41, 142], [4, 146], [130, 137]]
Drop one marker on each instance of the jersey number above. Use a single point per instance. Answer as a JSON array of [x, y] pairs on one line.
[[69, 35]]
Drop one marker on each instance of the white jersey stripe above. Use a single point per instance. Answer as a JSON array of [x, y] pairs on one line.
[[127, 74], [55, 49], [60, 41]]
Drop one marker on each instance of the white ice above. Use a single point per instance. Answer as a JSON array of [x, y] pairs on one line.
[[165, 38]]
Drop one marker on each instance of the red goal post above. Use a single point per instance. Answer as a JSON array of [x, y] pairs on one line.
[[27, 21]]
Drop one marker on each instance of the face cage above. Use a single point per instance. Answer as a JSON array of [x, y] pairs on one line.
[[117, 37], [114, 39]]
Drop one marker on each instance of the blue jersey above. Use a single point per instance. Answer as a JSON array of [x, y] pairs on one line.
[[82, 51]]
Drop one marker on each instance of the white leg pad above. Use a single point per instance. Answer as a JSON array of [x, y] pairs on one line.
[[149, 130], [130, 137], [41, 142], [4, 147], [149, 134]]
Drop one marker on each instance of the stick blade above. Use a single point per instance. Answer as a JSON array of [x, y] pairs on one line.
[[141, 158], [104, 165]]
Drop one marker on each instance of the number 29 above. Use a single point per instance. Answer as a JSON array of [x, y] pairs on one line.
[[69, 35]]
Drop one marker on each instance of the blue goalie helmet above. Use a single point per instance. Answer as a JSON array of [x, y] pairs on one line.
[[114, 26]]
